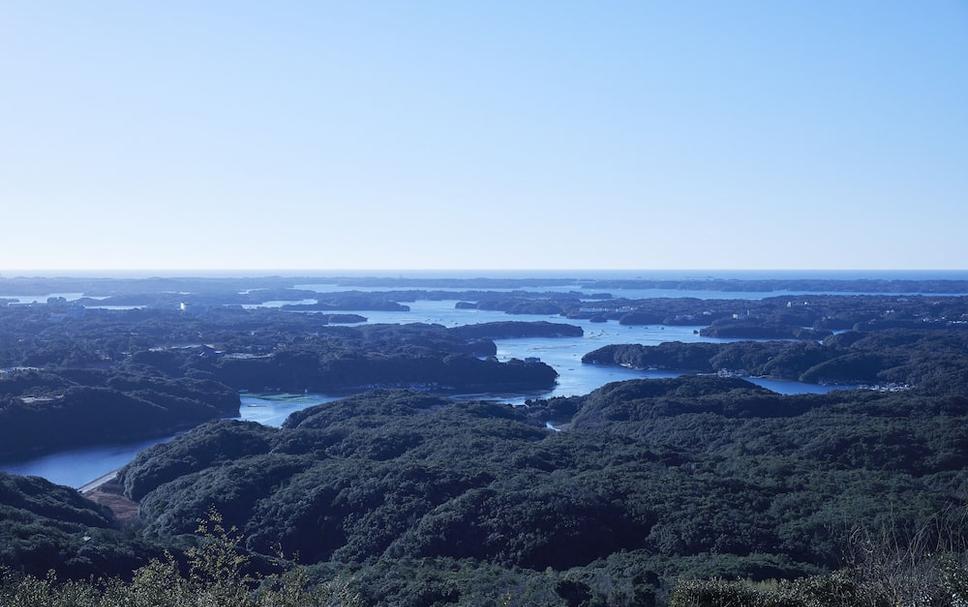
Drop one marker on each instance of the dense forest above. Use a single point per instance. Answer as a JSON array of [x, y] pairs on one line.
[[933, 360], [92, 376], [425, 501], [92, 406], [651, 480], [893, 304], [697, 491]]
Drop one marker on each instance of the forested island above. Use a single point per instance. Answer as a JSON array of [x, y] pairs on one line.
[[102, 286], [94, 406], [638, 493], [748, 318], [808, 317], [848, 285], [93, 376], [935, 361]]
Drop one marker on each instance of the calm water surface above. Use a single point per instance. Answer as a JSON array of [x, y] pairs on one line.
[[76, 467]]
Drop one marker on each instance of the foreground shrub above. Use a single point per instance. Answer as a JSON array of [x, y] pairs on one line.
[[827, 591], [215, 578], [943, 583]]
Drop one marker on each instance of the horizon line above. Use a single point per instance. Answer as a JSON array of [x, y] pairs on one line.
[[48, 270]]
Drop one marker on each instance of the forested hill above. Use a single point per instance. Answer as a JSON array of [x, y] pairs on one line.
[[649, 481], [71, 377], [930, 360], [48, 527]]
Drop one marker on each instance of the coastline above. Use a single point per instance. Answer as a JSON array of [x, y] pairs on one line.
[[96, 484]]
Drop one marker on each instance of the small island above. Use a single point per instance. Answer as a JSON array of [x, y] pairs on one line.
[[930, 359]]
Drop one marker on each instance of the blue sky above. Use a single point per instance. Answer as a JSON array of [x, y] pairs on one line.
[[483, 135]]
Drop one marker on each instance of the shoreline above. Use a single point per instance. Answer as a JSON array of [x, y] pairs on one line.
[[97, 483]]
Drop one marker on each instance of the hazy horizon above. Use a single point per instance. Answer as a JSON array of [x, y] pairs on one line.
[[537, 273]]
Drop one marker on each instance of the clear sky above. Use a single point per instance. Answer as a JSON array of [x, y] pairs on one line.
[[422, 134]]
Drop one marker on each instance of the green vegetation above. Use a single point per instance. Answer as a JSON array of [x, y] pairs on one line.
[[704, 491], [78, 407], [46, 527], [512, 328], [102, 376], [932, 360], [886, 569], [652, 481], [213, 575], [758, 329], [424, 502]]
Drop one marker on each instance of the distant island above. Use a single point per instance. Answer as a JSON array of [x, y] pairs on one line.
[[934, 361], [270, 285], [126, 375]]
